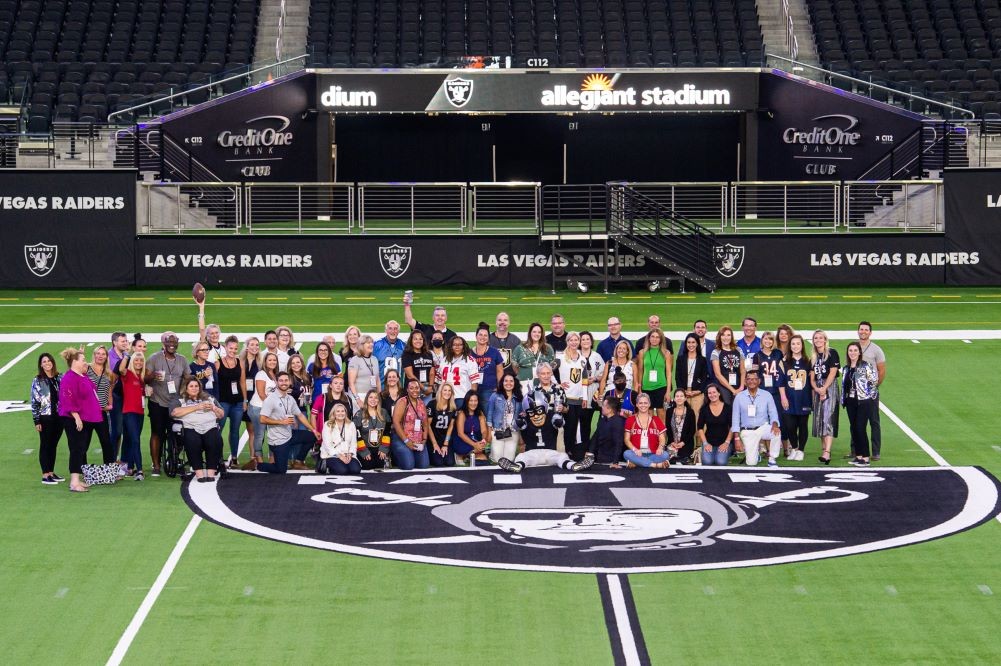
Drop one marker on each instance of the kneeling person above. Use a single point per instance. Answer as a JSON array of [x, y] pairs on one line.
[[279, 413], [755, 419], [539, 426]]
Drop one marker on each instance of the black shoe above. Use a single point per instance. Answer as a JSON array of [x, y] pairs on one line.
[[582, 465], [859, 462], [61, 479], [510, 466], [49, 481], [825, 461]]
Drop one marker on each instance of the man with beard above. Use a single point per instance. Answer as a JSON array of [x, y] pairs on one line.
[[164, 371], [503, 339]]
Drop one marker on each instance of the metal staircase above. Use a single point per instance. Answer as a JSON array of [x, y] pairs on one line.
[[578, 221]]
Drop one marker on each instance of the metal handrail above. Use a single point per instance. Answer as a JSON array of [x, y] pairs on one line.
[[894, 91], [204, 86]]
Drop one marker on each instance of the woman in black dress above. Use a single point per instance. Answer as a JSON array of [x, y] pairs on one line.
[[680, 422]]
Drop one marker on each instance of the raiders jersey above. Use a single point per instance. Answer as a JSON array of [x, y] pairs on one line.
[[540, 437]]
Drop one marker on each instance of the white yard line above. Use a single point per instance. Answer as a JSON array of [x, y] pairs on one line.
[[125, 642], [925, 446], [14, 361]]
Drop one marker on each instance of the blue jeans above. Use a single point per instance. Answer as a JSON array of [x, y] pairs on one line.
[[406, 458], [716, 455], [233, 411], [255, 418], [646, 459], [131, 447], [280, 465], [117, 402], [335, 466]]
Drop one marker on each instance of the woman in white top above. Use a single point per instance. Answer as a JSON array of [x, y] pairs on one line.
[[265, 384], [339, 450], [591, 380], [363, 372], [459, 369], [286, 346], [571, 373]]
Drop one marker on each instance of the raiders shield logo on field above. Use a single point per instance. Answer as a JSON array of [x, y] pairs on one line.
[[458, 91], [41, 258], [622, 521], [728, 258], [395, 260]]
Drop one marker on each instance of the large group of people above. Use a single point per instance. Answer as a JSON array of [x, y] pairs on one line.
[[436, 399]]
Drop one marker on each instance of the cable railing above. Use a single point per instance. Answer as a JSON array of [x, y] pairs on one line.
[[553, 212]]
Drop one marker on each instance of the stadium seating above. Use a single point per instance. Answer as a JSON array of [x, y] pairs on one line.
[[80, 59], [565, 33], [945, 49]]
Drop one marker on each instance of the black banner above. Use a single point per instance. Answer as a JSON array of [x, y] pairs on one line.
[[347, 261], [67, 228], [811, 131], [540, 91], [826, 259], [267, 132], [973, 219]]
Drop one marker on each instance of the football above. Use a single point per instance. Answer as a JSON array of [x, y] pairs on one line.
[[198, 293]]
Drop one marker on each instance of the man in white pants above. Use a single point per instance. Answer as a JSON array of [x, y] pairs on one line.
[[755, 419], [539, 426]]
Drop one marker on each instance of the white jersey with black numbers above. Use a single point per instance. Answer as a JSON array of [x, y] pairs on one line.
[[461, 373]]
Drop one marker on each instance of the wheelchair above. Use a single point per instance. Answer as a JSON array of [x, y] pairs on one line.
[[173, 460]]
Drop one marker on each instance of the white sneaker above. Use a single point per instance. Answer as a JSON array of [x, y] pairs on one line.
[[772, 462], [796, 455]]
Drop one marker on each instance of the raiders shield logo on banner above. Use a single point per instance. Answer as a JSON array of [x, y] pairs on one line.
[[458, 91], [41, 258], [629, 521], [728, 258], [395, 260]]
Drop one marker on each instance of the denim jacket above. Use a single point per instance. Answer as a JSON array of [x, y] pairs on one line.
[[496, 408]]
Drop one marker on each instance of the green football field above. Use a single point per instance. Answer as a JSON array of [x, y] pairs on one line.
[[129, 567]]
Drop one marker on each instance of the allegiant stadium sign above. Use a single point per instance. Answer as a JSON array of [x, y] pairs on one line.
[[593, 99]]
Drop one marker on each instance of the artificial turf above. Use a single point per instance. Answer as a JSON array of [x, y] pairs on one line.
[[77, 567]]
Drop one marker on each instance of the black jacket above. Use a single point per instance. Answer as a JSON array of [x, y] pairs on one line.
[[606, 442], [699, 378]]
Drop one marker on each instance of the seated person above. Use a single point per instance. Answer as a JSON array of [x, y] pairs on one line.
[[606, 443], [199, 414], [339, 449], [539, 425]]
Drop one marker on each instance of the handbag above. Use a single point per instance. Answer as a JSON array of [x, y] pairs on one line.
[[100, 474]]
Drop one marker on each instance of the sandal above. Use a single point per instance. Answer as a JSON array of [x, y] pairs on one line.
[[84, 489]]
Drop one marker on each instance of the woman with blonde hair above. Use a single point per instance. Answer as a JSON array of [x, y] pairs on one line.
[[363, 371], [80, 411], [133, 392], [286, 346], [441, 414], [339, 447], [352, 337], [100, 374], [824, 368]]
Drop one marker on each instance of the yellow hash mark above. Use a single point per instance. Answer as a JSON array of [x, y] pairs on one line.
[[49, 299], [904, 296], [227, 298], [945, 296], [769, 297], [272, 298], [866, 296], [95, 298], [684, 296], [317, 298], [491, 298], [815, 296], [715, 296], [359, 298], [138, 298]]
